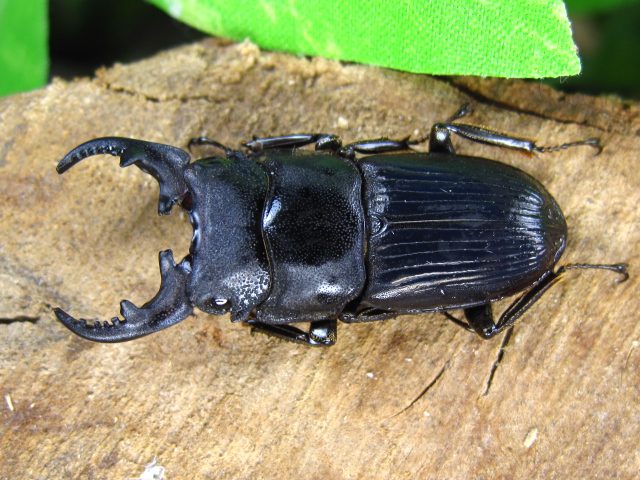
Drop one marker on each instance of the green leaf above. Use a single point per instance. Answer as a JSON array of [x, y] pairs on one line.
[[586, 7], [503, 38], [23, 45]]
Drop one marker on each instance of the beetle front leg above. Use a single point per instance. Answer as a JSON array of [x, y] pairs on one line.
[[323, 141], [377, 146], [322, 333]]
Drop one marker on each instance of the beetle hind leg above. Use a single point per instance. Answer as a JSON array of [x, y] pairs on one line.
[[167, 308], [322, 333], [440, 137], [480, 318]]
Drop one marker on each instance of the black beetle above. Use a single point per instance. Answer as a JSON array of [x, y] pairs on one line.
[[283, 235]]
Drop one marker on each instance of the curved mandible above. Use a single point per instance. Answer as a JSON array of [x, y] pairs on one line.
[[170, 306], [163, 162]]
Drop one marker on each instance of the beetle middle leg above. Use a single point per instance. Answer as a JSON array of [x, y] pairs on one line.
[[322, 333], [480, 318]]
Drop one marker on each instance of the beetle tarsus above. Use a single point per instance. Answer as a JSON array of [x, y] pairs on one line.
[[619, 268], [458, 322], [590, 142], [466, 109]]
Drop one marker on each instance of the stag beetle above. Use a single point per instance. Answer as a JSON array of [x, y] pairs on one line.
[[283, 235]]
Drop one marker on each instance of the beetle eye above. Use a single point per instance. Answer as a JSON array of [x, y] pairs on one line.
[[219, 306], [215, 306]]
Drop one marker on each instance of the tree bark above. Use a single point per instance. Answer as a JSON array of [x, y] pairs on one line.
[[414, 397]]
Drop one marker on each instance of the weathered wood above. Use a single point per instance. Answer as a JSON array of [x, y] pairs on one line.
[[207, 400]]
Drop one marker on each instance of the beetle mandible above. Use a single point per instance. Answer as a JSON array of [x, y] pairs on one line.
[[283, 235]]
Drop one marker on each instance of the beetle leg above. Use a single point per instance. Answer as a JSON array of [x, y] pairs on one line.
[[385, 145], [163, 162], [368, 315], [322, 333], [480, 318], [200, 141], [168, 307], [460, 323], [440, 139], [323, 141], [379, 145]]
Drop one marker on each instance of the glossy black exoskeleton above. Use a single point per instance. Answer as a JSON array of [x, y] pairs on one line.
[[283, 235]]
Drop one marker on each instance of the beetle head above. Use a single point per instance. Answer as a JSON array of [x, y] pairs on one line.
[[226, 269], [225, 204]]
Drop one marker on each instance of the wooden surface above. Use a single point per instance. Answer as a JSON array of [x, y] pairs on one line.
[[208, 400]]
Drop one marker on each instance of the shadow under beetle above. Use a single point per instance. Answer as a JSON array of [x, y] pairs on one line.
[[283, 235]]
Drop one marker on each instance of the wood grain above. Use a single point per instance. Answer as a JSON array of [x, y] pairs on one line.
[[208, 400]]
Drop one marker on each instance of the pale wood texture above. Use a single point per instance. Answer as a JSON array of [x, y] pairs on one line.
[[206, 399]]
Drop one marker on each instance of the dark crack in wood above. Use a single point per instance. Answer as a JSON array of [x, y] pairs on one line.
[[503, 346], [18, 318], [424, 390]]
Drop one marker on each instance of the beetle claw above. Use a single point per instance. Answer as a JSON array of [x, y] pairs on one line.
[[163, 162], [167, 308]]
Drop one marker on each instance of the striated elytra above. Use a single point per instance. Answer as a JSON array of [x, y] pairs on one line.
[[283, 235]]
